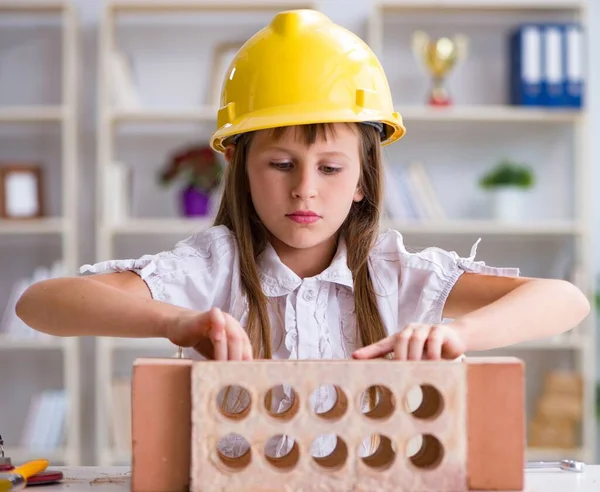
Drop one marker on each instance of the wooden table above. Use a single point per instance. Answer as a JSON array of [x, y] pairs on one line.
[[116, 479]]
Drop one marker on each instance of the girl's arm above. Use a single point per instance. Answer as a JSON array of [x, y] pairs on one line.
[[120, 305], [491, 312], [115, 304], [488, 312]]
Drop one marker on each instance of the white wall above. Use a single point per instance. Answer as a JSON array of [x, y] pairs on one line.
[[350, 14]]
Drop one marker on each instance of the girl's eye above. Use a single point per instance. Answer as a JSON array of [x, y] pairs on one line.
[[281, 165], [330, 169]]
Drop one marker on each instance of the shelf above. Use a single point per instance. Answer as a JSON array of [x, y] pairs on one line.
[[50, 225], [483, 227], [481, 5], [159, 226], [555, 454], [164, 115], [449, 227], [146, 6], [142, 344], [8, 344], [19, 455], [32, 6], [20, 114], [475, 113], [489, 113]]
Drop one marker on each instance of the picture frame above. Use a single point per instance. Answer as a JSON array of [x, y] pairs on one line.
[[222, 57], [21, 194]]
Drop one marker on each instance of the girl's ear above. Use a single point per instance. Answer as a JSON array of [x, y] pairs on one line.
[[229, 150], [358, 194]]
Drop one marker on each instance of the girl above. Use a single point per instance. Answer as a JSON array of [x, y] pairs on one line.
[[294, 266]]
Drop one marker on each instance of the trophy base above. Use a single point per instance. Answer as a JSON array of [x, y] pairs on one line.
[[439, 95], [440, 101]]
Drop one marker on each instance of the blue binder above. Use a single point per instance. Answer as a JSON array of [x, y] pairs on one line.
[[553, 65], [574, 65], [526, 66]]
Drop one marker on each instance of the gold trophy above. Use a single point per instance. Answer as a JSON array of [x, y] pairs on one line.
[[439, 56]]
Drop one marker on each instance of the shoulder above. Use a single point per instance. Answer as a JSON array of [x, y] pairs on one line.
[[204, 249], [391, 251]]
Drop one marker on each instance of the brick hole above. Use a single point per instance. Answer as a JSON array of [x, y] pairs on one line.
[[377, 402], [279, 404], [424, 402], [234, 402], [380, 453], [425, 451], [282, 452], [337, 458], [234, 452], [329, 402]]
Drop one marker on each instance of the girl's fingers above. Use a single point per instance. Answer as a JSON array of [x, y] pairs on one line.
[[402, 341], [218, 335], [235, 338], [417, 344], [377, 349], [434, 344]]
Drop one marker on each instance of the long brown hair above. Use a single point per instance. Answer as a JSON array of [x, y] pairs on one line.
[[359, 231]]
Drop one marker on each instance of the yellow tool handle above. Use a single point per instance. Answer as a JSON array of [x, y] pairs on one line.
[[31, 468]]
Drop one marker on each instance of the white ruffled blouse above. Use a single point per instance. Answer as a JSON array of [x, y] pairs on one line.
[[311, 318]]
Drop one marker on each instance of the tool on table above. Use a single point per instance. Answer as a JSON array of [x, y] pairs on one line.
[[16, 479], [565, 465], [43, 477]]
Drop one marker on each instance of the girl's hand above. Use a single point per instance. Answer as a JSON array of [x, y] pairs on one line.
[[418, 342], [214, 334]]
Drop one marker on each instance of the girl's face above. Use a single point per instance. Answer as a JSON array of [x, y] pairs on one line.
[[303, 193]]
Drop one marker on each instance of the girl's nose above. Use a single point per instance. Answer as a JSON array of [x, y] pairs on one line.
[[305, 185]]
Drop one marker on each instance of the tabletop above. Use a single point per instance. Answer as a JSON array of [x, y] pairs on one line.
[[117, 479]]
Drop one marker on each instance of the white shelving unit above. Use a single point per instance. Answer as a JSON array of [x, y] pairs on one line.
[[578, 228], [411, 15], [110, 121], [63, 226]]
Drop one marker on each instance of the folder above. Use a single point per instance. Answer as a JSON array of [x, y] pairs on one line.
[[526, 66]]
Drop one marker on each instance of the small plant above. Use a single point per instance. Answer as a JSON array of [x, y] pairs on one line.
[[508, 174], [198, 166]]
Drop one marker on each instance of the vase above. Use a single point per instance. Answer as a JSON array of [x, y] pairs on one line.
[[508, 203], [194, 202]]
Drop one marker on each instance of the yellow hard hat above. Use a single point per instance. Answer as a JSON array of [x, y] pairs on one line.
[[300, 69]]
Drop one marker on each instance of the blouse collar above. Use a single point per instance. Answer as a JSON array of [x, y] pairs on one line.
[[277, 279]]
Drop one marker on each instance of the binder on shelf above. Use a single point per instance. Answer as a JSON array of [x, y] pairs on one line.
[[546, 65], [553, 71], [574, 65], [526, 66]]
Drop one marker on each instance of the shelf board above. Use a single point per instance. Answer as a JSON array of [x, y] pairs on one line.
[[49, 225], [21, 114], [142, 344], [483, 227], [9, 344], [554, 454], [457, 113], [23, 6], [146, 6], [19, 455], [481, 5], [447, 227], [162, 115], [489, 113], [159, 226]]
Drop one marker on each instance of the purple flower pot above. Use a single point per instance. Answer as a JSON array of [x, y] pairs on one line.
[[194, 202]]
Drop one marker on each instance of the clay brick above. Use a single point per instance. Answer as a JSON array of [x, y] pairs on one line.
[[254, 472], [161, 425], [465, 405], [496, 423]]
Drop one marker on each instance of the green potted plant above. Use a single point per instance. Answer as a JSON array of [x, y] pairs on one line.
[[508, 183], [200, 169]]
